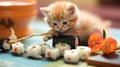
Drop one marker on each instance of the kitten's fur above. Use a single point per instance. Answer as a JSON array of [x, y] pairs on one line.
[[79, 22]]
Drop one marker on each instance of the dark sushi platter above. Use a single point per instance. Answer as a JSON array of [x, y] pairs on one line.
[[111, 60]]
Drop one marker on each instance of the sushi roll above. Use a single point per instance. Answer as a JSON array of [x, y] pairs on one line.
[[34, 51], [72, 40], [62, 47], [6, 45], [44, 46], [17, 48], [52, 53], [118, 44], [84, 52], [71, 56]]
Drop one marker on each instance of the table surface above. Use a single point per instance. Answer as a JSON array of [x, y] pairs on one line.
[[9, 60]]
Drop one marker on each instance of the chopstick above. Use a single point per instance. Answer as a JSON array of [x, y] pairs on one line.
[[26, 37]]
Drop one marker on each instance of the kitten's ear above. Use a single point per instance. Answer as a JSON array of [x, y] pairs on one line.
[[71, 9], [45, 10]]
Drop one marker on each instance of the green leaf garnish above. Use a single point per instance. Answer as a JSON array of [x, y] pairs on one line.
[[34, 47], [82, 48], [104, 34], [63, 44]]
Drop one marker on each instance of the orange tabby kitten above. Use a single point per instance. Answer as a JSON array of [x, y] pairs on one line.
[[66, 19]]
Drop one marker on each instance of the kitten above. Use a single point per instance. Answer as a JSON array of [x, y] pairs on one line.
[[66, 19]]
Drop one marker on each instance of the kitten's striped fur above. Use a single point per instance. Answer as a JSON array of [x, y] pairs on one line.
[[79, 22]]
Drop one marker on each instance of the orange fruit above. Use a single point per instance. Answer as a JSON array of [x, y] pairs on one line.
[[108, 45], [95, 41]]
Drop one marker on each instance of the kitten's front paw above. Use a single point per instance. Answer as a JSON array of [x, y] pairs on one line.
[[47, 37]]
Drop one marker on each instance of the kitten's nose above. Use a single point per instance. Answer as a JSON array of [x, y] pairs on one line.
[[60, 28]]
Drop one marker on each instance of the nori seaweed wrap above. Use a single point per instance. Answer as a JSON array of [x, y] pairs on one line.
[[72, 40]]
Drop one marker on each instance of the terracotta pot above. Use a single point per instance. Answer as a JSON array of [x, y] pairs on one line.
[[16, 14]]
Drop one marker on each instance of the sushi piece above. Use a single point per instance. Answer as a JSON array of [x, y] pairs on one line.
[[52, 53], [34, 51], [11, 38], [62, 47], [44, 46], [84, 52], [17, 48], [71, 56], [6, 45], [118, 44], [73, 41]]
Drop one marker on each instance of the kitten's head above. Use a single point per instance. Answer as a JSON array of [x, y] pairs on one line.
[[61, 16]]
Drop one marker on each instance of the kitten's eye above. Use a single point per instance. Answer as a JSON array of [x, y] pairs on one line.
[[54, 24], [64, 23]]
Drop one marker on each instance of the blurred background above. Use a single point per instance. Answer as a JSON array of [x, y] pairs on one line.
[[107, 9]]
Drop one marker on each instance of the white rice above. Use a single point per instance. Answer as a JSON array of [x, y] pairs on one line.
[[62, 47], [6, 46], [84, 52], [44, 47], [52, 53], [34, 51], [71, 56], [18, 48]]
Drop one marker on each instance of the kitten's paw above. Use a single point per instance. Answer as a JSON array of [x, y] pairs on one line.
[[56, 34], [47, 37]]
